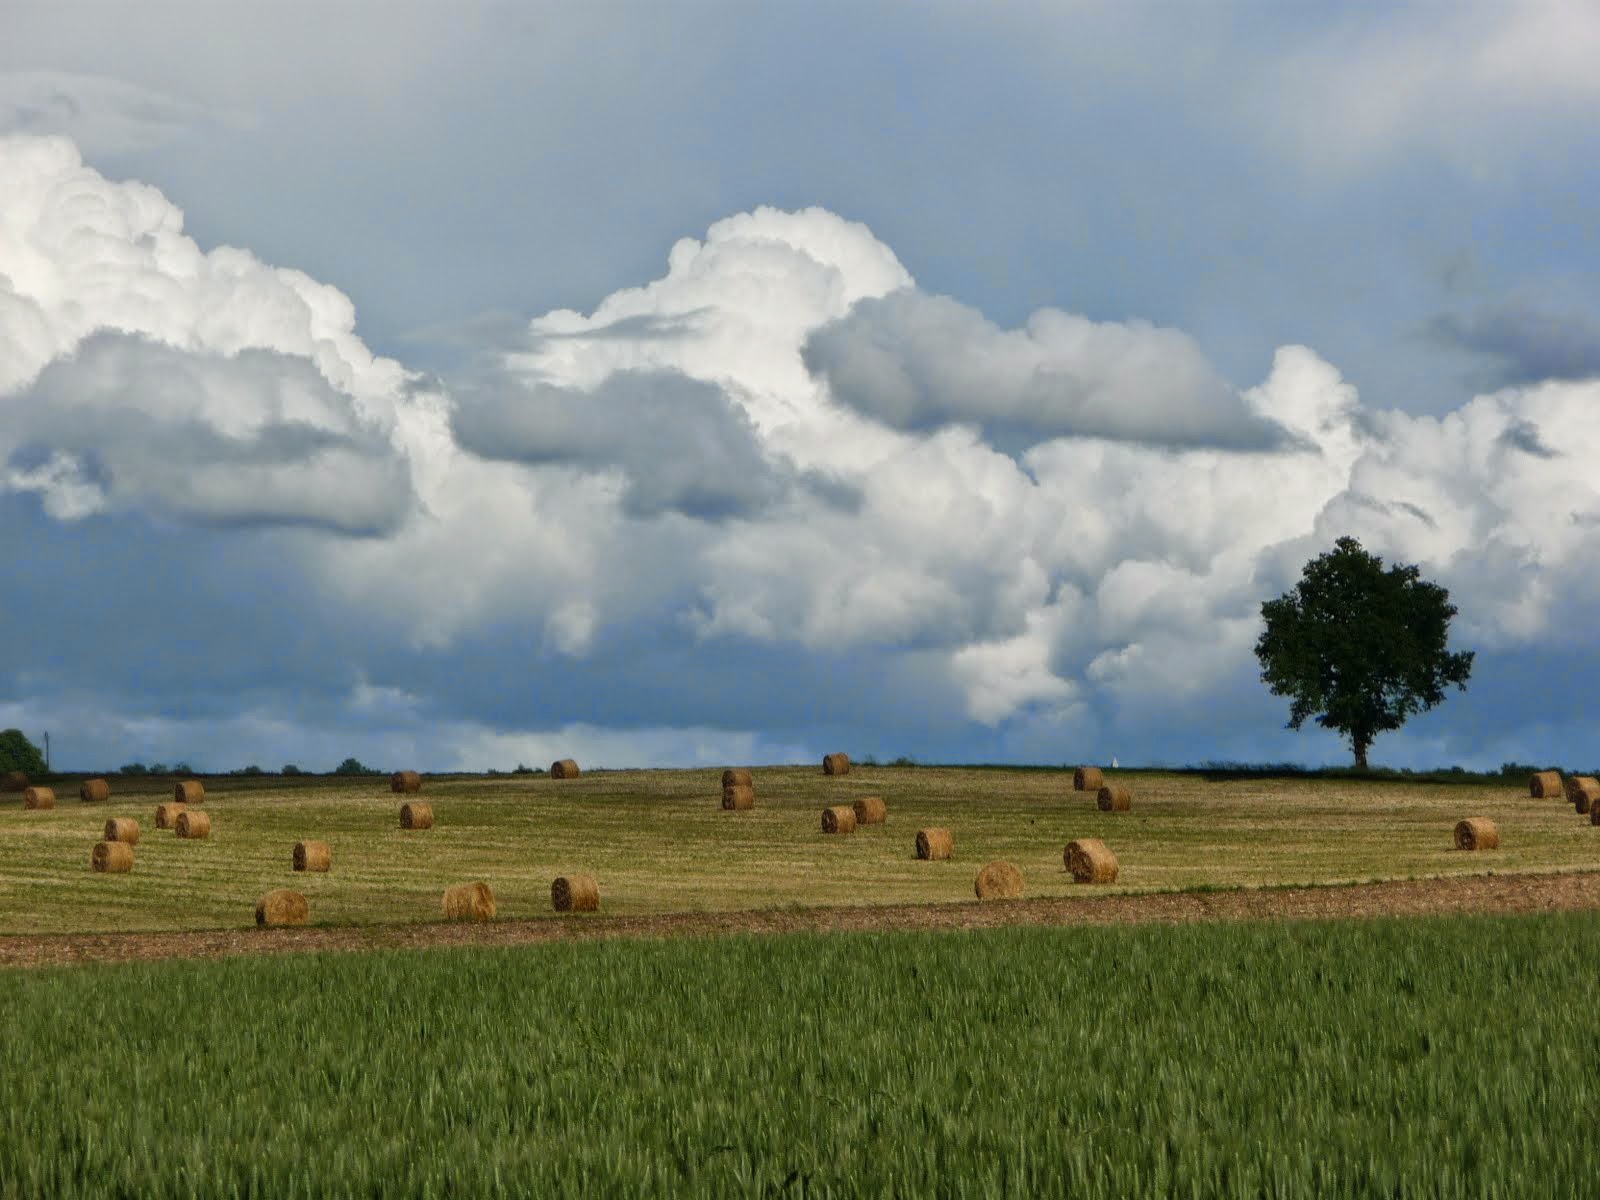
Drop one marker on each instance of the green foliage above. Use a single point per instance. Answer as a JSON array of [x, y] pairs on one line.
[[17, 753], [354, 766], [252, 770], [133, 768], [1359, 647], [291, 769], [1444, 1057]]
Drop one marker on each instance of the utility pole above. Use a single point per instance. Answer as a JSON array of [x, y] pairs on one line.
[[46, 749]]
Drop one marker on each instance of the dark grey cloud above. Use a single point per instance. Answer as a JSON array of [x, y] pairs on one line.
[[916, 362], [682, 444], [1524, 435], [1527, 341], [256, 439]]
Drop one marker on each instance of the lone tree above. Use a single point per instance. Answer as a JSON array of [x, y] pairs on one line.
[[17, 753], [1359, 646]]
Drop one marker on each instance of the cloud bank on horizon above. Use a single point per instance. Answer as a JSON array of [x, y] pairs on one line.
[[776, 500]]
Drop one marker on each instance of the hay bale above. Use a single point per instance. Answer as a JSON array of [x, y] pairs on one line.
[[13, 781], [416, 815], [1114, 798], [282, 907], [115, 857], [738, 777], [836, 764], [469, 902], [564, 768], [167, 815], [312, 856], [1088, 779], [38, 797], [1477, 833], [1089, 861], [1545, 783], [575, 893], [841, 818], [935, 844], [1594, 814], [405, 782], [1583, 791], [190, 791], [192, 824], [871, 810], [738, 797], [999, 881], [93, 791], [122, 829]]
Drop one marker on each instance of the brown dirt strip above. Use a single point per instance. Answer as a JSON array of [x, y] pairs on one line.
[[1476, 894]]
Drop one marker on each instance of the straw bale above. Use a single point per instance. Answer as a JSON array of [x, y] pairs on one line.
[[1594, 814], [564, 768], [193, 824], [1583, 791], [935, 843], [312, 856], [871, 810], [38, 797], [575, 893], [469, 902], [738, 797], [115, 857], [190, 791], [405, 782], [416, 815], [167, 815], [738, 777], [1477, 833], [999, 881], [122, 829], [1090, 861], [841, 818], [836, 764], [282, 907], [92, 791], [1114, 798], [1545, 783], [1088, 779]]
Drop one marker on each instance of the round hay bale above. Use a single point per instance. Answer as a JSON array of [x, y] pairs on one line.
[[1114, 798], [575, 893], [122, 829], [564, 768], [116, 857], [282, 907], [999, 881], [190, 791], [1545, 783], [1583, 791], [93, 791], [841, 818], [738, 777], [1088, 779], [1090, 861], [405, 782], [935, 844], [469, 902], [871, 810], [192, 824], [312, 856], [416, 815], [13, 781], [1594, 814], [167, 815], [38, 797], [738, 797], [1477, 833], [836, 764]]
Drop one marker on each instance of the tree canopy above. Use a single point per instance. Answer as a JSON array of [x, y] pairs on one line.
[[1359, 646], [17, 753]]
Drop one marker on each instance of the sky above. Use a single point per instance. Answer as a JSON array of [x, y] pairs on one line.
[[460, 386]]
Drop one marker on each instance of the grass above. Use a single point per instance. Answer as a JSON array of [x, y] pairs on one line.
[[659, 842], [1441, 1057]]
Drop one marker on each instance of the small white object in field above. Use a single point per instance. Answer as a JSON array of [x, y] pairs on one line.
[[1113, 760]]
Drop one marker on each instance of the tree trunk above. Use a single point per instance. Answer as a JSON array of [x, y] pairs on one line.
[[1359, 742]]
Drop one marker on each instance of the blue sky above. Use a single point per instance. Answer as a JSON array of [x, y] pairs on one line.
[[474, 384]]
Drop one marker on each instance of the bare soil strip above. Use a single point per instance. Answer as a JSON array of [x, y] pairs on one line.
[[1476, 894]]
